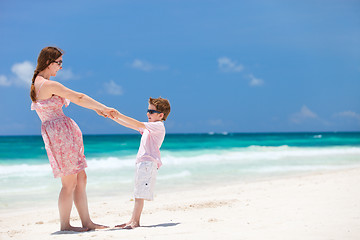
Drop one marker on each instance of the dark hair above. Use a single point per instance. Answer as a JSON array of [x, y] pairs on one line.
[[47, 56], [162, 105]]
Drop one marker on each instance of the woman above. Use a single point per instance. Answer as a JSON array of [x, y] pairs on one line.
[[62, 136]]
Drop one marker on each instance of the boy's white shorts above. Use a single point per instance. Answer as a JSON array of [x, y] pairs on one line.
[[145, 178]]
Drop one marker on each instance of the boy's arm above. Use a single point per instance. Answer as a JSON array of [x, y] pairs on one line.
[[124, 123], [129, 122]]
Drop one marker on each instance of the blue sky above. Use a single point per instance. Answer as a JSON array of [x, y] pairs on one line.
[[225, 66]]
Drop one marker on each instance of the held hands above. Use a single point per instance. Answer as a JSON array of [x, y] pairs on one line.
[[108, 112]]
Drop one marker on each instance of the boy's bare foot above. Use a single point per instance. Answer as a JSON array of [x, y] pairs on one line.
[[93, 226], [131, 226], [75, 229]]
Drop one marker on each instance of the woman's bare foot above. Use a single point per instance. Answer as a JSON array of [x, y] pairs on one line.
[[75, 229], [93, 226], [121, 225]]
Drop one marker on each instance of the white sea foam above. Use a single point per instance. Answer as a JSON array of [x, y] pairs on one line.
[[24, 181], [252, 154], [111, 162], [317, 136], [24, 170], [260, 153], [181, 174], [289, 168]]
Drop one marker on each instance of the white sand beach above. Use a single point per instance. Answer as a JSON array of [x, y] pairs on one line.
[[314, 206]]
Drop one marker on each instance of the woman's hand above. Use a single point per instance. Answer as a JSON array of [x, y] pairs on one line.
[[109, 112], [100, 113]]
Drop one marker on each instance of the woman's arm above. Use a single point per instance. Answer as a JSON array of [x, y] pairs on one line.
[[78, 98]]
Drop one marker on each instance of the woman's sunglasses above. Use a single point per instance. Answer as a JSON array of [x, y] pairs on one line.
[[58, 63], [152, 111]]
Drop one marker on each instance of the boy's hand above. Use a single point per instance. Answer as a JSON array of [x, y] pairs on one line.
[[113, 113], [108, 112]]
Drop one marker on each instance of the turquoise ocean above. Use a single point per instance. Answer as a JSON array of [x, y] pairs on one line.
[[189, 161]]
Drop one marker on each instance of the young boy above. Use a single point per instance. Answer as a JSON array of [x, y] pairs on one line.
[[148, 158]]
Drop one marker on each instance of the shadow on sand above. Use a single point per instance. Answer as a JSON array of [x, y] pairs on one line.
[[115, 229], [162, 225], [150, 226], [68, 232]]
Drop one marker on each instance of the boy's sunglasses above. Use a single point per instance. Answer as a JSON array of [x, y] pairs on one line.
[[58, 63], [152, 111]]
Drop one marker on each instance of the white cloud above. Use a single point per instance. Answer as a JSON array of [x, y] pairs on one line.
[[112, 88], [255, 82], [66, 74], [348, 114], [304, 114], [4, 81], [146, 66], [227, 65], [142, 65], [23, 73]]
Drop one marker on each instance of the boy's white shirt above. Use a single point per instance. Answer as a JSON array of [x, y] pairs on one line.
[[151, 140]]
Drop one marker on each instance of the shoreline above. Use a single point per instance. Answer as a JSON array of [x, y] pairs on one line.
[[160, 189], [319, 205]]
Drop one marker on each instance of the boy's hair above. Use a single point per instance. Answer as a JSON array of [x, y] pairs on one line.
[[162, 105]]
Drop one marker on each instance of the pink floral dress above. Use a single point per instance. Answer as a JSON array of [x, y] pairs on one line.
[[62, 137]]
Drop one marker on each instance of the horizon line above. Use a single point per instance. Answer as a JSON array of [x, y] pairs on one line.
[[198, 133]]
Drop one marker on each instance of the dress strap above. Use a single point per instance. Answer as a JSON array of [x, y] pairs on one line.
[[40, 87]]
